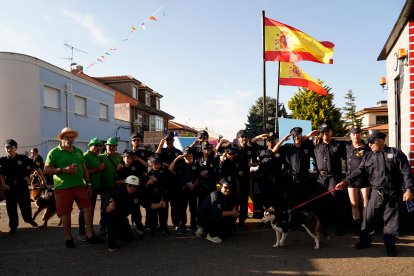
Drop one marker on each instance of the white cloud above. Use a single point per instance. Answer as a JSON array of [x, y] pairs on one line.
[[89, 24]]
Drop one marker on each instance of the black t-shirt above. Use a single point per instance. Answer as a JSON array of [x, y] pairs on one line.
[[15, 169], [297, 159], [186, 172], [169, 154]]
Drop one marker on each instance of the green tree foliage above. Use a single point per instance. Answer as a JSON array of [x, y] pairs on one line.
[[350, 111], [254, 125], [307, 105]]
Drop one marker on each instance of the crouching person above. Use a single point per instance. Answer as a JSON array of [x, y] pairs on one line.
[[125, 200], [217, 214]]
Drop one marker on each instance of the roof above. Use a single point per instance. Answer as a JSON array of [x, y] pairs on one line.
[[177, 126], [406, 13], [382, 127], [82, 75], [374, 109]]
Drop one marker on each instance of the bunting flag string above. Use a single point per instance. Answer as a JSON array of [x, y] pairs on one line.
[[108, 53]]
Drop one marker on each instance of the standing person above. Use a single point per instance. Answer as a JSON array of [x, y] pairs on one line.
[[67, 165], [196, 146], [112, 161], [188, 174], [270, 168], [217, 213], [140, 155], [247, 158], [167, 155], [388, 172], [13, 178], [35, 156], [296, 158], [355, 150], [329, 154], [209, 169], [94, 167]]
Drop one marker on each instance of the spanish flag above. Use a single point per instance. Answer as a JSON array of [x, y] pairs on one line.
[[285, 43], [292, 75]]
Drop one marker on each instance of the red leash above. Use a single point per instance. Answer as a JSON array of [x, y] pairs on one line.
[[321, 195]]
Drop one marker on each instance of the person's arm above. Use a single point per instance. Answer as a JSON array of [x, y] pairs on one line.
[[160, 145], [42, 177], [111, 205], [276, 148], [262, 137], [312, 134], [172, 165]]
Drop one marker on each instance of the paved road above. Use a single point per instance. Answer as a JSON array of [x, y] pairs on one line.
[[249, 251]]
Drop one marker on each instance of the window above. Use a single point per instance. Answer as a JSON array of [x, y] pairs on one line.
[[103, 112], [381, 120], [51, 97], [138, 120], [156, 123], [147, 99], [134, 92], [157, 104], [80, 106]]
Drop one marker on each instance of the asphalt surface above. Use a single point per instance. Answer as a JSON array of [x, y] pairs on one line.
[[249, 251]]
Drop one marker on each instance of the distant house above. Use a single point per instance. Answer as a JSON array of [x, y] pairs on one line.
[[137, 103], [375, 118], [38, 99], [182, 130]]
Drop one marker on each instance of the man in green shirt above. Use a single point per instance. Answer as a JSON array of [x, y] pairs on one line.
[[95, 167], [67, 165], [112, 161]]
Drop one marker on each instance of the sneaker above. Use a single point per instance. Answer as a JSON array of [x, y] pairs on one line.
[[82, 237], [94, 240], [213, 239], [69, 243], [112, 249], [199, 232]]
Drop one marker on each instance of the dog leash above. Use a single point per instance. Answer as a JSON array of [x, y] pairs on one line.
[[321, 195]]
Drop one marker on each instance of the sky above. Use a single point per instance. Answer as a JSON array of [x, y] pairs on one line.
[[205, 56]]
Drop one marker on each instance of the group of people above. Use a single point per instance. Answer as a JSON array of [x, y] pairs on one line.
[[170, 178]]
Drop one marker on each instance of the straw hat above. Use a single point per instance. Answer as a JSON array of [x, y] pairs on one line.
[[65, 131]]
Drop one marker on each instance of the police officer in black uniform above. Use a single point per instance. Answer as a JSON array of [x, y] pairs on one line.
[[209, 169], [246, 156], [196, 146], [13, 179], [270, 168], [141, 155], [329, 154], [389, 173], [296, 160]]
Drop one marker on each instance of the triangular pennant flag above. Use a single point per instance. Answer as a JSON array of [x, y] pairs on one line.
[[153, 18]]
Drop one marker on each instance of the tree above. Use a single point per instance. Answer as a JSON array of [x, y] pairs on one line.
[[254, 125], [350, 116], [307, 105]]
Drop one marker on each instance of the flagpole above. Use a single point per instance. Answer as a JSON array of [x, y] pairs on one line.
[[277, 101], [264, 74]]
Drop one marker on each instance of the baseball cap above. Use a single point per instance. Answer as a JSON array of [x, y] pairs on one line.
[[375, 134], [202, 133], [296, 131], [111, 142], [136, 135], [94, 141], [354, 130], [156, 158], [225, 182], [133, 180], [324, 128], [187, 151], [127, 152]]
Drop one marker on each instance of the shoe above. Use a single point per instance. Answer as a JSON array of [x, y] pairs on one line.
[[33, 223], [199, 232], [362, 245], [82, 237], [69, 243], [140, 232], [94, 240], [181, 230], [391, 251], [13, 231], [112, 249], [213, 239]]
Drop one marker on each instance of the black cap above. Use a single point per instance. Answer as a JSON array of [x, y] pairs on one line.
[[202, 133], [127, 152], [324, 128], [241, 133], [187, 151], [272, 136], [170, 135], [10, 142], [136, 135], [230, 149], [376, 134], [206, 146], [354, 130], [296, 131], [225, 181], [156, 158]]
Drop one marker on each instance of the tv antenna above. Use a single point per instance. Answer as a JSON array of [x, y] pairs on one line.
[[73, 48]]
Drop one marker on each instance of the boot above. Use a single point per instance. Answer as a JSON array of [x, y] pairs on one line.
[[364, 241]]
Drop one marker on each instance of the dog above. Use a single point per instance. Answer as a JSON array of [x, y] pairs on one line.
[[44, 198], [283, 221]]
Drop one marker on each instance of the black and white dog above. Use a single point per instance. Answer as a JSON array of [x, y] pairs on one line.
[[283, 221]]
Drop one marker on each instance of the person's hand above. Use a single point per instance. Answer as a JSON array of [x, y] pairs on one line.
[[72, 169], [340, 185], [163, 204], [89, 190], [204, 173], [111, 206], [408, 196], [235, 213], [287, 137], [241, 173], [152, 180]]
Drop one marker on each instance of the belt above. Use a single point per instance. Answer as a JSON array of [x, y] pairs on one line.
[[325, 174]]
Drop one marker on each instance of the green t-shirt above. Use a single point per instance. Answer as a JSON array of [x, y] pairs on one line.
[[108, 176], [60, 158], [92, 161]]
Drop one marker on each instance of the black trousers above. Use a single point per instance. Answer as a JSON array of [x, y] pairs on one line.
[[160, 214], [18, 194], [243, 196], [188, 198], [217, 226], [117, 227]]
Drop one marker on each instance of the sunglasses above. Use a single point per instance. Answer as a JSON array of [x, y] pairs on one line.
[[131, 186], [136, 140], [243, 136]]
